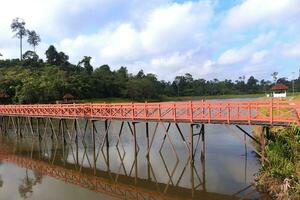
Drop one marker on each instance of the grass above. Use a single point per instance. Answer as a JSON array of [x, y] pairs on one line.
[[280, 177], [296, 96]]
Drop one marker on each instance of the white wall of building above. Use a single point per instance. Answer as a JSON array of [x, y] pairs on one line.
[[279, 95]]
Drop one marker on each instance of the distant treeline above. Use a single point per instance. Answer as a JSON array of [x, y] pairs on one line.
[[32, 80]]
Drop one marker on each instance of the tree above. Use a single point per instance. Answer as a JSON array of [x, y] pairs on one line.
[[51, 55], [30, 59], [1, 54], [252, 86], [274, 75], [55, 58], [33, 39], [86, 64], [18, 26]]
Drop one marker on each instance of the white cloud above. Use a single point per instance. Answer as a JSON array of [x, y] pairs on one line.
[[254, 12], [291, 50], [161, 36], [171, 37], [258, 57], [233, 56], [249, 52]]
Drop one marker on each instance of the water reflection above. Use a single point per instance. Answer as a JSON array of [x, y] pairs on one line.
[[119, 160]]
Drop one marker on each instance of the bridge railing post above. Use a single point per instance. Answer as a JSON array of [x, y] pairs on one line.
[[159, 112], [249, 113], [191, 111], [228, 113], [271, 111], [174, 111]]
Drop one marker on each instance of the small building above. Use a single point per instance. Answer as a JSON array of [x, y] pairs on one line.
[[4, 98], [68, 97], [279, 90]]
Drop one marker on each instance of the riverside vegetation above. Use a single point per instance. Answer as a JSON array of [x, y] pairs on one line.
[[280, 176]]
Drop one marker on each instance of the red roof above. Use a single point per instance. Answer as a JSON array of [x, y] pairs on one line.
[[279, 86], [68, 96], [3, 95]]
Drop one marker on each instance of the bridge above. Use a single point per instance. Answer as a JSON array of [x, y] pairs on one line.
[[162, 125], [252, 112]]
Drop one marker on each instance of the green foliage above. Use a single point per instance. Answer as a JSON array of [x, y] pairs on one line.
[[55, 58], [283, 165], [32, 80], [86, 64], [33, 39]]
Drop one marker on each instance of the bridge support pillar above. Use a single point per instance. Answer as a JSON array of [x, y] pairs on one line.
[[106, 125], [135, 152], [148, 151]]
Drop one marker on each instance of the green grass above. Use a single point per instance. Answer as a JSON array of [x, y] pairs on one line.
[[280, 176], [295, 97]]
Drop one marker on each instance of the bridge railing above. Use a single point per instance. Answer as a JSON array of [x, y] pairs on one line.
[[254, 111]]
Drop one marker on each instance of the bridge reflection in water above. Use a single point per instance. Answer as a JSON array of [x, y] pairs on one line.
[[117, 158]]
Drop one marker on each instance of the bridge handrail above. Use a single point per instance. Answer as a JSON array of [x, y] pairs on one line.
[[250, 111]]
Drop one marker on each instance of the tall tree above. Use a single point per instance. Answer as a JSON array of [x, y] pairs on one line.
[[18, 26], [86, 62], [33, 39]]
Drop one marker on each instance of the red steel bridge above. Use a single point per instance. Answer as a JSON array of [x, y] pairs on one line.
[[246, 112]]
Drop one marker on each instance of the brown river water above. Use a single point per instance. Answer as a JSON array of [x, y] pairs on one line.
[[47, 168]]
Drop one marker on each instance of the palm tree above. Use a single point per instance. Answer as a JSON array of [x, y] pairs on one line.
[[18, 26], [33, 39]]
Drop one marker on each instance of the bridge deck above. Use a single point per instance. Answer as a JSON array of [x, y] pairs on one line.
[[261, 112]]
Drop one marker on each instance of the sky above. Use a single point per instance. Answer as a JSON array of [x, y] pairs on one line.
[[209, 39]]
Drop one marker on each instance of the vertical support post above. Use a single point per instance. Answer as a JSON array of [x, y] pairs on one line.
[[191, 157], [268, 132], [246, 157], [209, 113], [38, 128], [135, 153], [148, 150], [262, 142], [76, 141], [271, 111], [107, 142], [191, 111], [228, 113], [203, 157], [61, 129], [249, 113], [94, 144], [19, 127]]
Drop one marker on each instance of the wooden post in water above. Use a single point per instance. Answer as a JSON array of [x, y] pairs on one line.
[[94, 144], [191, 157], [202, 158], [135, 153], [148, 150], [107, 143], [262, 142]]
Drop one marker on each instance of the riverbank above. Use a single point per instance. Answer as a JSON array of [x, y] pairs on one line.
[[280, 176]]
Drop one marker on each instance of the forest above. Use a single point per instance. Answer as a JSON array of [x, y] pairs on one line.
[[32, 80]]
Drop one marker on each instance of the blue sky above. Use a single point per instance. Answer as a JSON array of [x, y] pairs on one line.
[[207, 38]]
